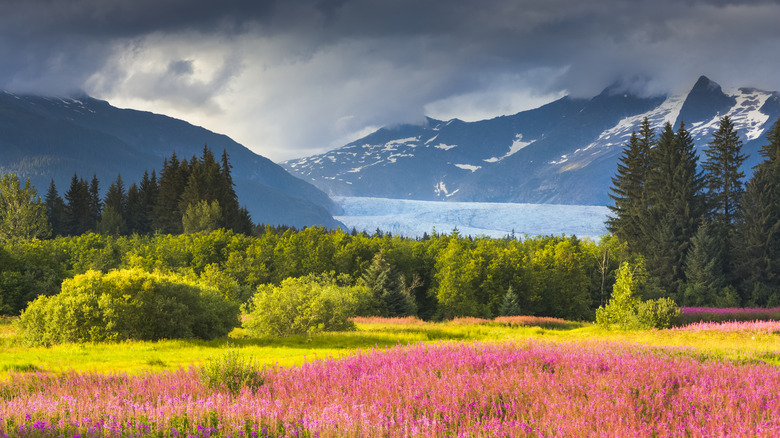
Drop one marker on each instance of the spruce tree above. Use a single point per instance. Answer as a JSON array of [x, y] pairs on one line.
[[148, 192], [95, 206], [134, 210], [758, 229], [676, 206], [707, 284], [628, 189], [390, 297], [79, 211], [173, 181], [509, 305], [116, 197], [723, 174], [55, 211], [114, 217], [724, 192]]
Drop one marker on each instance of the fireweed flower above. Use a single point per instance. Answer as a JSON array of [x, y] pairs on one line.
[[521, 389]]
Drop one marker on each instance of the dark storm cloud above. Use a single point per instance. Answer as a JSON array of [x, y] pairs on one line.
[[358, 63]]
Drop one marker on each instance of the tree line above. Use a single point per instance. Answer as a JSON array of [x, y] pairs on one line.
[[707, 237], [441, 276], [188, 196]]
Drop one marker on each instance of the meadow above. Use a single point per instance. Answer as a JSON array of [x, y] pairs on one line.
[[404, 377]]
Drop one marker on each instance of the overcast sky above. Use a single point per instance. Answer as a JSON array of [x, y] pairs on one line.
[[291, 78]]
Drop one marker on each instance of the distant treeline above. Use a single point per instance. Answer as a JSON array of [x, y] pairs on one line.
[[448, 275], [197, 194], [708, 239]]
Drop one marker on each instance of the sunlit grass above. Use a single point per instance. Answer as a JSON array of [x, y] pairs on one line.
[[139, 356]]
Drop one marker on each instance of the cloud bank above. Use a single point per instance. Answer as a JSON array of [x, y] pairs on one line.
[[297, 77]]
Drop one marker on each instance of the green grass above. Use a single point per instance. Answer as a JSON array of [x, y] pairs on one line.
[[136, 356]]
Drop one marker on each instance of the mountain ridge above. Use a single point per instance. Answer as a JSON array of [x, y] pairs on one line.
[[47, 138], [563, 152]]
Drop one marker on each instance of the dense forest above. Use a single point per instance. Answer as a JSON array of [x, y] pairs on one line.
[[680, 231], [708, 238]]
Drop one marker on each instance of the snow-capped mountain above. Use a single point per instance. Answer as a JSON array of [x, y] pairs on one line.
[[564, 152]]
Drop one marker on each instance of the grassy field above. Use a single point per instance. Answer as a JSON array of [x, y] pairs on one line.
[[138, 357]]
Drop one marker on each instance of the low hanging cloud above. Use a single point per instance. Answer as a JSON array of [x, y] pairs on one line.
[[292, 78]]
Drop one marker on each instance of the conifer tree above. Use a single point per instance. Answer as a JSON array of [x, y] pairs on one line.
[[148, 193], [724, 192], [134, 210], [79, 211], [172, 182], [390, 297], [707, 283], [55, 211], [114, 217], [116, 197], [758, 229], [676, 206], [95, 206], [509, 305], [723, 174], [628, 189]]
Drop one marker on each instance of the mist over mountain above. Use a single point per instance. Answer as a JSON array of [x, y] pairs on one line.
[[47, 138], [564, 152]]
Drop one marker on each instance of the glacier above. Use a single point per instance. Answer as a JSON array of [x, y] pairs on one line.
[[412, 218]]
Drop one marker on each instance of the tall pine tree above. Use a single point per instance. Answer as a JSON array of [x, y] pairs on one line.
[[173, 181], [56, 211], [758, 229], [628, 189], [677, 207], [723, 176], [79, 211]]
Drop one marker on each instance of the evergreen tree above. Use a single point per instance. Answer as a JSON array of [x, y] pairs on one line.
[[723, 174], [172, 182], [676, 206], [628, 189], [391, 299], [55, 211], [204, 182], [148, 193], [79, 211], [134, 210], [116, 201], [707, 284], [95, 206], [116, 197], [724, 192], [758, 229], [235, 218], [509, 305]]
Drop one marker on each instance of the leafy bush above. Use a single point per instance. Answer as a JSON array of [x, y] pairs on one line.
[[304, 305], [127, 304], [627, 312], [231, 372]]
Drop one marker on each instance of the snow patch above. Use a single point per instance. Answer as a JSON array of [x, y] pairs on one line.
[[445, 147], [401, 141], [516, 146], [441, 189], [470, 167]]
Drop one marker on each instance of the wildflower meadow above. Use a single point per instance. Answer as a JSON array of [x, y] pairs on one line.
[[520, 386]]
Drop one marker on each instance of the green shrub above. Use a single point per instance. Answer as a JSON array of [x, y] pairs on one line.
[[304, 305], [127, 304], [230, 372], [627, 312]]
